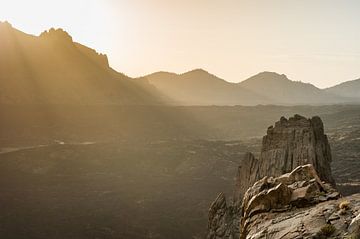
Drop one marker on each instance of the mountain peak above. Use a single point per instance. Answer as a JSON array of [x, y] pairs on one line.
[[198, 71], [270, 75], [5, 24], [58, 34]]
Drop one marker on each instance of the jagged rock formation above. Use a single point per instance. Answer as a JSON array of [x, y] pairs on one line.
[[290, 143], [246, 175], [60, 37], [287, 146], [298, 205], [223, 222]]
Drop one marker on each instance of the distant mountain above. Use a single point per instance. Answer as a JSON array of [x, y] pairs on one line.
[[53, 69], [346, 89], [198, 87], [280, 90]]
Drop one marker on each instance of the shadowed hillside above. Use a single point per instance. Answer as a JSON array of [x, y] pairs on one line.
[[53, 69]]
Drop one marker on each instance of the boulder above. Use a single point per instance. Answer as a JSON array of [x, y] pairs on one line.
[[299, 188], [354, 227]]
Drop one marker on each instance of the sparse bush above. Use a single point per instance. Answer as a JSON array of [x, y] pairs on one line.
[[327, 230], [344, 205]]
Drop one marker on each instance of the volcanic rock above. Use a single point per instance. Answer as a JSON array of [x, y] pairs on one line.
[[290, 143], [293, 171]]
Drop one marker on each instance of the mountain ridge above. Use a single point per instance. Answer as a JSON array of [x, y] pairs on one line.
[[53, 69], [348, 88], [199, 87], [263, 88]]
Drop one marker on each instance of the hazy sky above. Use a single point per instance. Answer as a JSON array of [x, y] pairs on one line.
[[308, 40]]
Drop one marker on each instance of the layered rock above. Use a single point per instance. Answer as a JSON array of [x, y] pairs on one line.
[[223, 220], [288, 145], [300, 188], [298, 205], [246, 175]]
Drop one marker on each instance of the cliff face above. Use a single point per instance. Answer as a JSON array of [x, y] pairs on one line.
[[223, 220], [247, 174], [296, 142], [288, 145]]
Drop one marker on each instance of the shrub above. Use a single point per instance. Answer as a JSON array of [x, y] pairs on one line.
[[344, 205], [327, 230]]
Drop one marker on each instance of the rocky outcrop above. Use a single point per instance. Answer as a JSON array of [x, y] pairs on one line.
[[223, 220], [56, 34], [290, 143], [324, 220], [278, 179], [247, 173], [300, 188], [61, 38], [294, 205]]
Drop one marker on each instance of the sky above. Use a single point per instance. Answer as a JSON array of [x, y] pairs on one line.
[[315, 41]]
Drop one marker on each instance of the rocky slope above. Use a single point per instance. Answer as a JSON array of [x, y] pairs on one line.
[[297, 205], [277, 184]]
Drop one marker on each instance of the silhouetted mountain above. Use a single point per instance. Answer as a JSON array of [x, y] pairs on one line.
[[280, 90], [52, 68], [198, 87], [346, 89]]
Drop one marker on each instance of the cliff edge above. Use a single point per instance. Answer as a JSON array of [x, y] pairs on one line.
[[288, 192]]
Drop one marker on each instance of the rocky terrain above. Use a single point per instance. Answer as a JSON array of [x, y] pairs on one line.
[[298, 205], [293, 172], [88, 152], [290, 143]]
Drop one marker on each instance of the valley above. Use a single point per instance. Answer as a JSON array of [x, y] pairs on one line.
[[78, 167]]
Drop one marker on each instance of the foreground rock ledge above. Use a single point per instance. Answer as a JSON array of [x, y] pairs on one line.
[[272, 201]]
